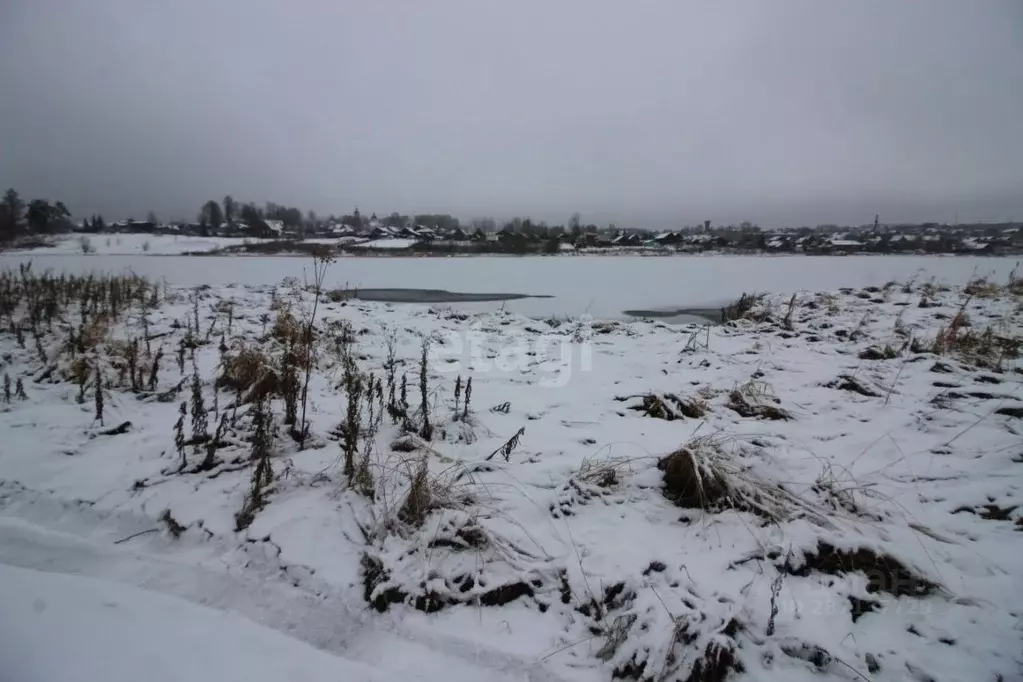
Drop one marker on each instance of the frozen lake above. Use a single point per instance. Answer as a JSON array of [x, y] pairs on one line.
[[602, 286]]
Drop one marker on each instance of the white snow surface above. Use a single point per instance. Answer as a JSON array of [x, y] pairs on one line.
[[387, 244], [131, 244], [562, 560], [59, 627]]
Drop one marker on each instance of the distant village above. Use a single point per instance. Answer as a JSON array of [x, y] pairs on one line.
[[439, 234], [275, 228]]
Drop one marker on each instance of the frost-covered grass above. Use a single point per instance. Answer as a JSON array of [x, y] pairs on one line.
[[825, 485]]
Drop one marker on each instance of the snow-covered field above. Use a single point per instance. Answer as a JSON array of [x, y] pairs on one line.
[[387, 244], [600, 286], [130, 245], [819, 491]]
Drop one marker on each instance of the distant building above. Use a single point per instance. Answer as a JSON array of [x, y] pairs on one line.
[[267, 228]]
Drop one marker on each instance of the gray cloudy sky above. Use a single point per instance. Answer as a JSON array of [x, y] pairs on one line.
[[644, 112]]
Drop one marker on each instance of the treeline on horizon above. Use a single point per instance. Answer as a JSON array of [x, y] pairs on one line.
[[19, 218], [40, 216], [230, 211]]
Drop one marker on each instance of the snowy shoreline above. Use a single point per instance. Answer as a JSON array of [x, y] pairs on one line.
[[858, 479], [140, 244]]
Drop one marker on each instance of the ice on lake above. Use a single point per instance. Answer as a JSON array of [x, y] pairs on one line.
[[600, 286]]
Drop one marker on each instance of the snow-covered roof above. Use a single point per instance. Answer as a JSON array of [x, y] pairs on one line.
[[275, 225], [845, 242]]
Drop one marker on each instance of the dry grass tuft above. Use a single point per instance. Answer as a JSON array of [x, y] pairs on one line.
[[249, 372], [604, 473], [452, 488], [669, 406], [690, 481], [985, 348], [1015, 285], [713, 473], [982, 287], [747, 307], [93, 333], [885, 352], [286, 328], [419, 499], [756, 399]]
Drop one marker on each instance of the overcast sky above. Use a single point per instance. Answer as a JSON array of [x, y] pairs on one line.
[[642, 112]]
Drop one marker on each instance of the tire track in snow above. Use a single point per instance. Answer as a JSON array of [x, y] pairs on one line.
[[331, 621]]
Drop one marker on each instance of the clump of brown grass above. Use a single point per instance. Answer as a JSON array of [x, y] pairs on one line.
[[419, 499], [983, 347], [286, 328], [709, 473], [669, 406], [1015, 284], [756, 399], [885, 352], [746, 307], [982, 287], [249, 372], [691, 481], [426, 492], [606, 472], [93, 333]]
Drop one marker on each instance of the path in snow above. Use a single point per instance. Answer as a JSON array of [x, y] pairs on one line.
[[122, 634], [331, 623]]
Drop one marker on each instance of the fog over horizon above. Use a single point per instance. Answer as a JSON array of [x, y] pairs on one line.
[[651, 113]]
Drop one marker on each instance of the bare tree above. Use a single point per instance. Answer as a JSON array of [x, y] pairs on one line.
[[12, 215], [230, 209]]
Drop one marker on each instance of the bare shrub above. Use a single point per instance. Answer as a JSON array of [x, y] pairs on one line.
[[262, 471], [426, 429]]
